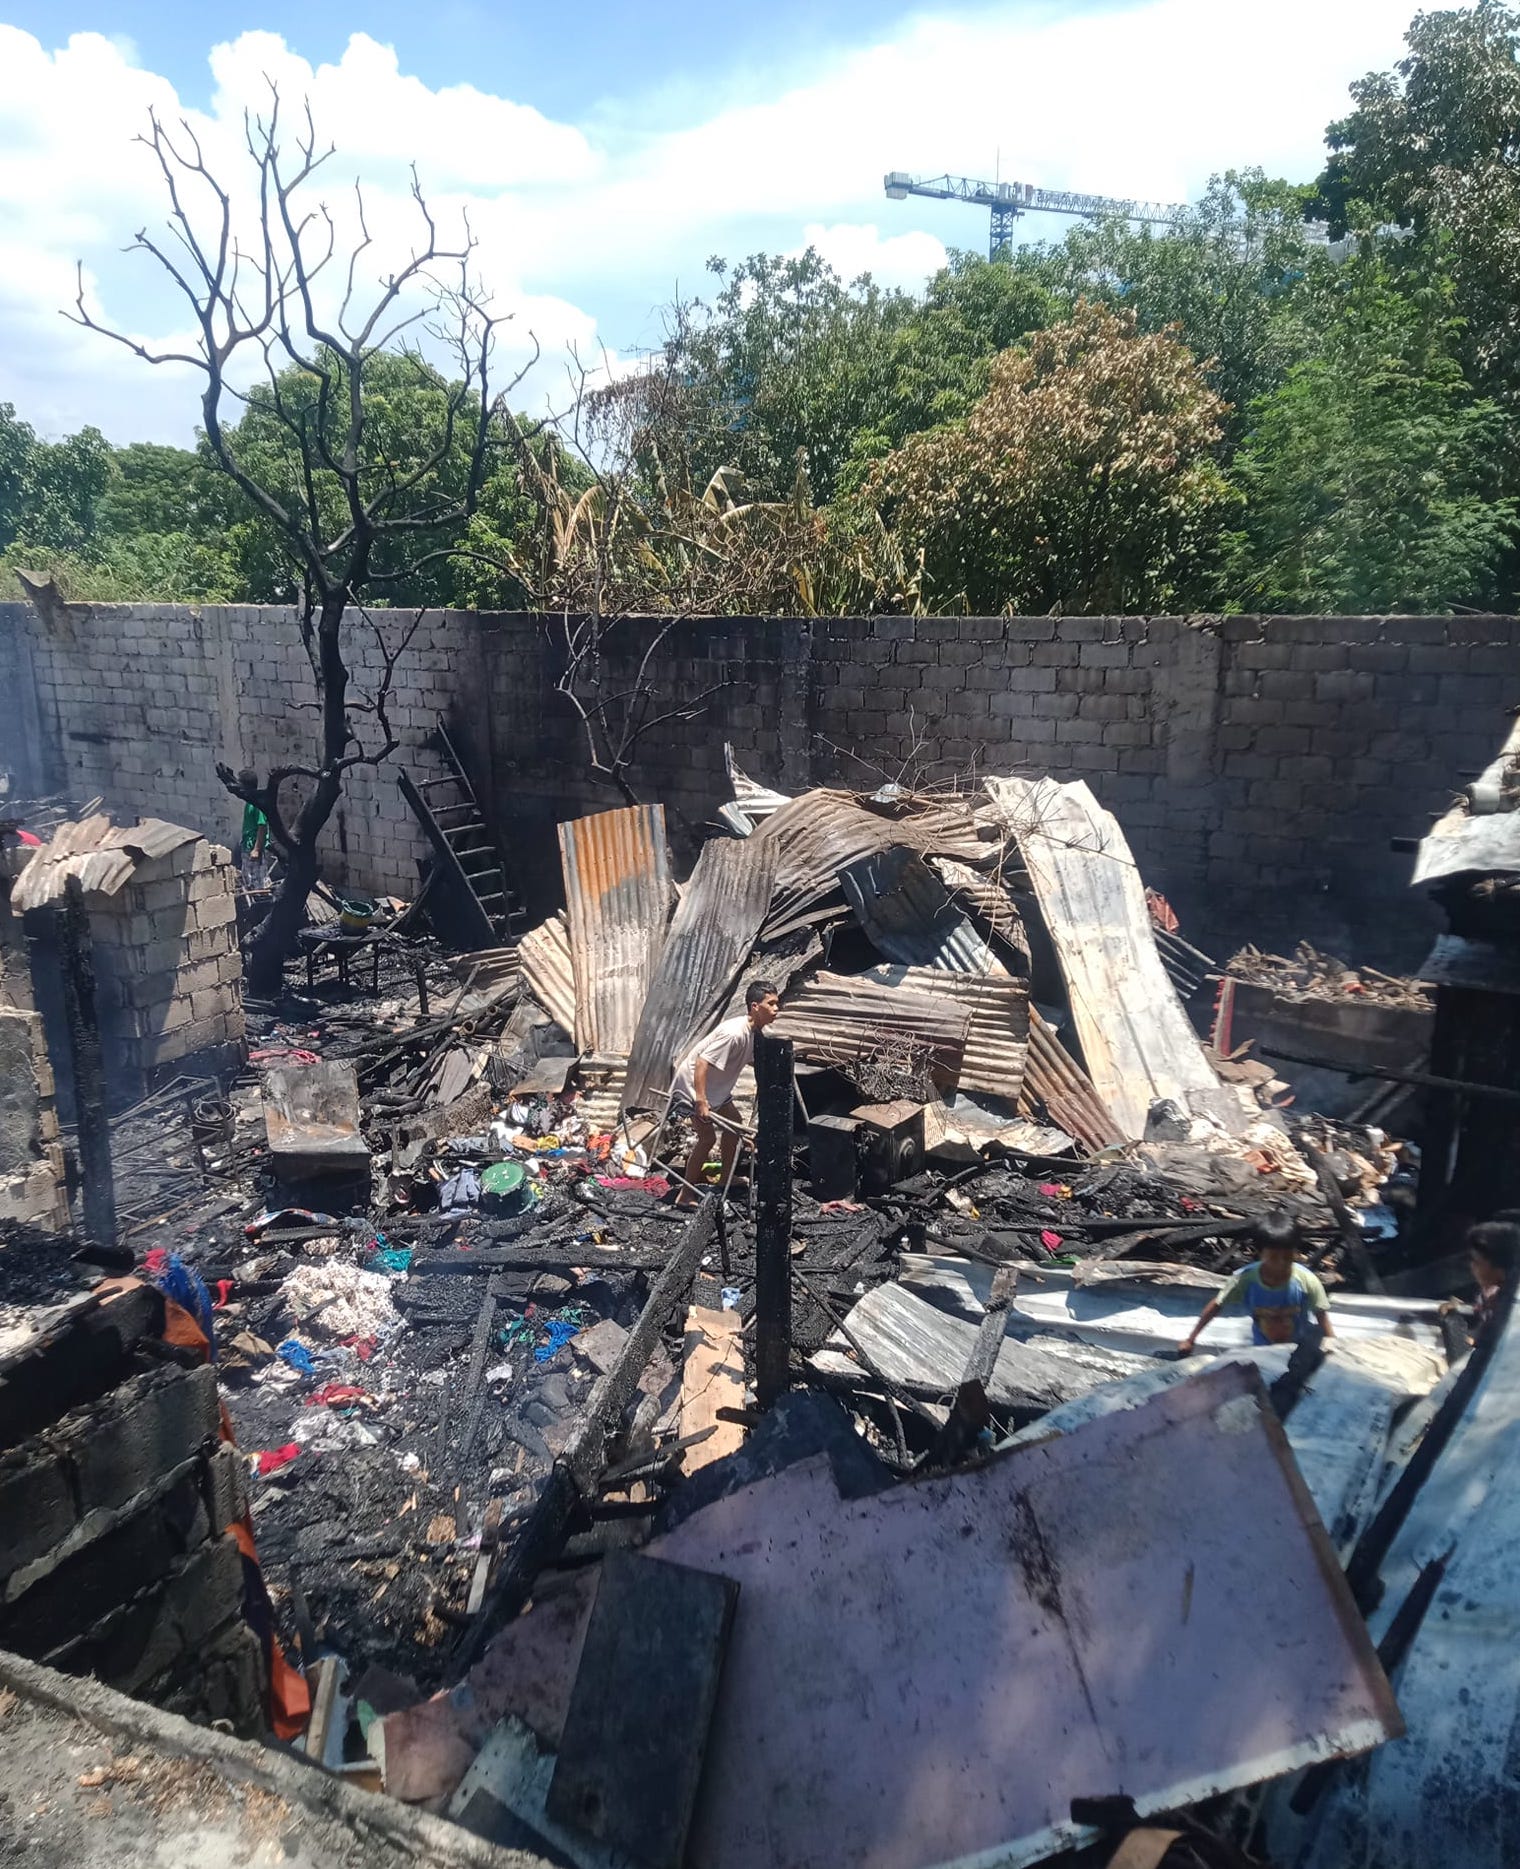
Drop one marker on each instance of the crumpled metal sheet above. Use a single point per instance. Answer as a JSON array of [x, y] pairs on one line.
[[711, 935], [908, 915], [548, 972], [997, 1038], [833, 1017], [821, 833], [618, 895]]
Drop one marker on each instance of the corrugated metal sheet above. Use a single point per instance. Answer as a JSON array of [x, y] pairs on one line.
[[1443, 1797], [821, 833], [1054, 1077], [1136, 1039], [752, 803], [101, 855], [833, 1017], [904, 909], [618, 894], [548, 972], [985, 896], [997, 1039], [710, 939]]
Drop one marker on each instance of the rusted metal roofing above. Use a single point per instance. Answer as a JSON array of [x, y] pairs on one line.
[[548, 972], [997, 1039], [1055, 1078], [833, 1018], [711, 935], [821, 833], [909, 917], [985, 896], [103, 856], [619, 894]]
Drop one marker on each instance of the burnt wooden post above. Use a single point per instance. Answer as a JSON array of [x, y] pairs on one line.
[[773, 1217], [77, 970]]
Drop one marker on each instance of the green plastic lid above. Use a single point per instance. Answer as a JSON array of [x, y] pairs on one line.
[[502, 1178]]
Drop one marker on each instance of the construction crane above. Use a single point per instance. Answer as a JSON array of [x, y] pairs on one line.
[[1008, 200]]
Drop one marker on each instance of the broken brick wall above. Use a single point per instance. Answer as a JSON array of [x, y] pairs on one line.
[[1260, 766]]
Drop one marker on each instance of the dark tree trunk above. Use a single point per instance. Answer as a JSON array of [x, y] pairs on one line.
[[276, 938]]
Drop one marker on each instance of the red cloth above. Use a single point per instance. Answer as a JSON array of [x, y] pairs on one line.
[[334, 1395], [273, 1458], [1051, 1242]]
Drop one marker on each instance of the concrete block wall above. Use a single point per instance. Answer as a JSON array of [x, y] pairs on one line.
[[32, 1188], [1260, 766], [168, 974], [116, 1557]]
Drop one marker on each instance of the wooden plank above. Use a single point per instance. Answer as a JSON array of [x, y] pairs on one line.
[[773, 1218], [712, 1384], [1136, 1039], [630, 1759]]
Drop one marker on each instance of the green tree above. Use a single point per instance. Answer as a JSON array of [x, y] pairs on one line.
[[789, 360], [1084, 480], [1371, 477], [940, 357], [1225, 277], [17, 440], [1434, 147]]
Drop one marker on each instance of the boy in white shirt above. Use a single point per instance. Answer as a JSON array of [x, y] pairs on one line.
[[705, 1079]]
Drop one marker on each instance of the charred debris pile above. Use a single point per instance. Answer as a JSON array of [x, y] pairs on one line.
[[625, 1518]]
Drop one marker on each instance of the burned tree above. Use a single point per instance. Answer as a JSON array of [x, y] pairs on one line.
[[353, 520]]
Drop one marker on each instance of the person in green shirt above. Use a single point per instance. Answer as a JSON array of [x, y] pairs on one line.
[[1278, 1293], [255, 838]]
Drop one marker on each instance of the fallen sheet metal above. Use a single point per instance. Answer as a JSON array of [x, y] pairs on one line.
[[983, 894], [834, 1018], [1480, 835], [1444, 1797], [1338, 1428], [821, 833], [619, 894], [548, 972], [753, 803], [1136, 1039], [924, 1349], [711, 935], [997, 1038], [908, 915], [1123, 1308], [930, 1675], [1054, 1078]]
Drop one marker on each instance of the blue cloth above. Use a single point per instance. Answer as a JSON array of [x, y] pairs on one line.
[[298, 1356], [559, 1333], [187, 1288]]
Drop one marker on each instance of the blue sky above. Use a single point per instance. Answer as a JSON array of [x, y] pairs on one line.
[[603, 152]]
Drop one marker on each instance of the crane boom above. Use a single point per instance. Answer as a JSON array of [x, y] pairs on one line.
[[1008, 200]]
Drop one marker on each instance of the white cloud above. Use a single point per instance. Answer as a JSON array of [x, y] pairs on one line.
[[583, 229]]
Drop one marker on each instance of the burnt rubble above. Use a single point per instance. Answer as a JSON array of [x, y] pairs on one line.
[[520, 1449]]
